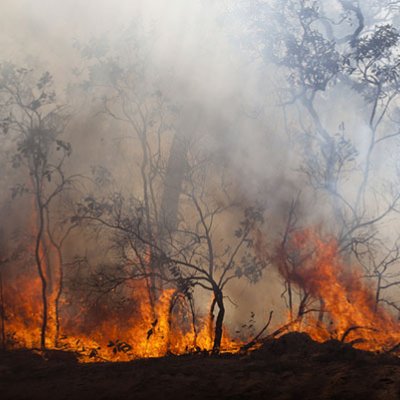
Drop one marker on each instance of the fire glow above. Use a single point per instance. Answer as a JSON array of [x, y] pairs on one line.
[[349, 314], [146, 333], [349, 311]]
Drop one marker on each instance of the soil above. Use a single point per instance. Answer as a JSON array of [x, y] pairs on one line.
[[291, 367]]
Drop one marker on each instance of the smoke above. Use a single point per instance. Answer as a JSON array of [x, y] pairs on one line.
[[228, 96], [200, 65]]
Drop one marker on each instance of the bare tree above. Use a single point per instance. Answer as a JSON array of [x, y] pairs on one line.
[[192, 255], [126, 85], [194, 249]]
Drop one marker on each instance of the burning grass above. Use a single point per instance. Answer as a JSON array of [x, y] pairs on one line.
[[144, 332], [347, 312]]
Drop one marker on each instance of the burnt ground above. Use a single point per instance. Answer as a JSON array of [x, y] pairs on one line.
[[292, 367]]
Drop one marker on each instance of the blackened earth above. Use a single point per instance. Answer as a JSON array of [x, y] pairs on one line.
[[292, 367]]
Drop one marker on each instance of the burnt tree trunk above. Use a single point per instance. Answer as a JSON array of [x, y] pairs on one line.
[[321, 310], [39, 265], [219, 321], [39, 255], [193, 316], [59, 292], [378, 292], [290, 298], [211, 318]]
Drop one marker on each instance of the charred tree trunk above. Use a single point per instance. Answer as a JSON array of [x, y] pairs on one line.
[[211, 318], [303, 305], [193, 315], [321, 311], [219, 322], [51, 258], [172, 304], [56, 262], [378, 292], [290, 298], [39, 256], [59, 292], [39, 265]]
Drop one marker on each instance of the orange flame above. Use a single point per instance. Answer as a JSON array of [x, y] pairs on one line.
[[112, 338], [148, 329], [349, 310], [145, 328]]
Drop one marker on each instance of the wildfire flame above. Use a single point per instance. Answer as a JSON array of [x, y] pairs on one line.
[[147, 329], [349, 311], [145, 333]]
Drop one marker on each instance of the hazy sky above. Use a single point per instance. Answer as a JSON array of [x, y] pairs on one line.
[[48, 26]]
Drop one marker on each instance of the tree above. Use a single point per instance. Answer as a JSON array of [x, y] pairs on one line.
[[189, 256], [31, 115], [194, 252], [122, 78], [350, 46]]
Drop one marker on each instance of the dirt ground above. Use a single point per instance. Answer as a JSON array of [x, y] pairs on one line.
[[292, 367]]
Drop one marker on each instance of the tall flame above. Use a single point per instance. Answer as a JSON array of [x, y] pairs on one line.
[[349, 312], [147, 329], [110, 337], [142, 328]]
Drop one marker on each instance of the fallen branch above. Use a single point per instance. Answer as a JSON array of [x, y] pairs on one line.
[[254, 341], [354, 328], [282, 329]]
